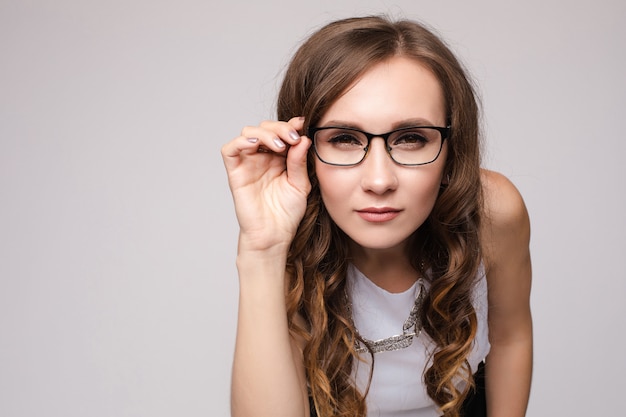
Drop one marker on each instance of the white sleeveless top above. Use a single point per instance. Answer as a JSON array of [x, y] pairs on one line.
[[397, 388]]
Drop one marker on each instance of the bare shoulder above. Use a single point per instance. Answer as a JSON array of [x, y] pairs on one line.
[[503, 203], [503, 206], [505, 221]]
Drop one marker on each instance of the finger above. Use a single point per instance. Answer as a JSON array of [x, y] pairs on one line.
[[297, 173], [238, 145], [284, 130], [270, 136], [297, 123], [268, 139], [232, 151]]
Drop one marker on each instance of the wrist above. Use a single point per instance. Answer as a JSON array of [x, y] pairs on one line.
[[254, 246], [270, 262]]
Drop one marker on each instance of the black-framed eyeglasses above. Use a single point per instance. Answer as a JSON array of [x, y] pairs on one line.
[[409, 146]]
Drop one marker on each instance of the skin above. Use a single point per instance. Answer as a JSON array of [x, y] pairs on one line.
[[269, 190], [505, 238], [391, 94]]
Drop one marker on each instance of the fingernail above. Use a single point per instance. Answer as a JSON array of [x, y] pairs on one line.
[[253, 140], [279, 143], [301, 118], [294, 135]]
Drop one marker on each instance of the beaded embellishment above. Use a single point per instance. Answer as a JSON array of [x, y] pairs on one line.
[[412, 328]]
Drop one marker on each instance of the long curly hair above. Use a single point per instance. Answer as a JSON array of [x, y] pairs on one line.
[[447, 244]]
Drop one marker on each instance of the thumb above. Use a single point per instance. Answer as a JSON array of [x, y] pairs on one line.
[[297, 173]]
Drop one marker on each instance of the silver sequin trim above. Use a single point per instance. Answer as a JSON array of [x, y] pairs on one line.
[[412, 328]]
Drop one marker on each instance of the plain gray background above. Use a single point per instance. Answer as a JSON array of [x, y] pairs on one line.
[[118, 289]]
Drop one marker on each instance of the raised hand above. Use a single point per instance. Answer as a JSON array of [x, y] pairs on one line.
[[267, 174]]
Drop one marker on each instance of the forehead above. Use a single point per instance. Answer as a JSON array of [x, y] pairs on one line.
[[389, 93]]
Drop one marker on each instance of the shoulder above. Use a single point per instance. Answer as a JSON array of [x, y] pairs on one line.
[[503, 206], [503, 203], [505, 227]]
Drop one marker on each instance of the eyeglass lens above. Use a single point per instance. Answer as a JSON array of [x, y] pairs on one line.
[[407, 146]]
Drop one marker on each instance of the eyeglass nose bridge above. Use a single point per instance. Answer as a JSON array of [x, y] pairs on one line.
[[385, 137]]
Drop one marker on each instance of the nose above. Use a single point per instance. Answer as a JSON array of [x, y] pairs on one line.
[[379, 170]]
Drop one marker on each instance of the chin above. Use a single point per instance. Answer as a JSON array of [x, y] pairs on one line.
[[380, 243]]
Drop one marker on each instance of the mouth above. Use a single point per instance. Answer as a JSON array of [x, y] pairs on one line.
[[378, 214]]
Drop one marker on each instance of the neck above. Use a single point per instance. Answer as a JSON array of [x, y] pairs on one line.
[[390, 269]]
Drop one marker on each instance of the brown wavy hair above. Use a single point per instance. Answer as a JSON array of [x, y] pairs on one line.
[[446, 245]]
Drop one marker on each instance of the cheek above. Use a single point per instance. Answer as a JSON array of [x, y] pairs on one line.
[[423, 189], [329, 183], [424, 192], [336, 185]]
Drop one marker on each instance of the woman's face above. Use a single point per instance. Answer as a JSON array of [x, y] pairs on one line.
[[379, 203]]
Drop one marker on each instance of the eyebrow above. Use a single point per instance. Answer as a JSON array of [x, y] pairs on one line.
[[397, 125]]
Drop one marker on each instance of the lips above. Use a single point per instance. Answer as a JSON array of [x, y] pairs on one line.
[[378, 214]]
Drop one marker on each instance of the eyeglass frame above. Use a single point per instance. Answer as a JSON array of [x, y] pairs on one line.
[[443, 131]]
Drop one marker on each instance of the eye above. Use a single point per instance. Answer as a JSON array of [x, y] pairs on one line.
[[346, 139], [410, 139]]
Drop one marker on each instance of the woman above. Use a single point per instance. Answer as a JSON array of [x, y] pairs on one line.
[[364, 259]]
